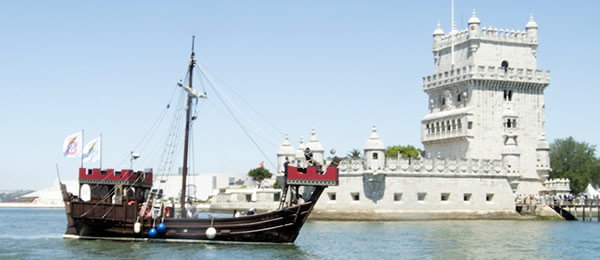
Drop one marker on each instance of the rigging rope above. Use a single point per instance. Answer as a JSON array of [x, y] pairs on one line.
[[251, 107], [236, 119], [267, 137]]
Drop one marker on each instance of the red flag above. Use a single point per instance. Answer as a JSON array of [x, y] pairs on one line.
[[262, 164]]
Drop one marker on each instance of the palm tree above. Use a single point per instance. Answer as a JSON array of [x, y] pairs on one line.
[[354, 154]]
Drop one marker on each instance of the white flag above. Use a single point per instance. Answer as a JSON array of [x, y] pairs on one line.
[[72, 145], [91, 151]]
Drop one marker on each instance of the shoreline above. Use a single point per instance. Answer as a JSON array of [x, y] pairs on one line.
[[358, 216]]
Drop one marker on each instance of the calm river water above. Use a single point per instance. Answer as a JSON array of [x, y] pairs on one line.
[[36, 233]]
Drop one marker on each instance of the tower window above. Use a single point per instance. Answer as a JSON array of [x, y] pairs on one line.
[[421, 196], [489, 196], [443, 101], [458, 97], [398, 196], [445, 196], [508, 95], [375, 156], [467, 197], [331, 195], [355, 196], [470, 125], [504, 65]]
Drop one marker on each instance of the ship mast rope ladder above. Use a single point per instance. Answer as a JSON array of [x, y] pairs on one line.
[[174, 139]]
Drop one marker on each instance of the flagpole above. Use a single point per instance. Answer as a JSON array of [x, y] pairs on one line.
[[100, 151], [452, 33], [82, 146]]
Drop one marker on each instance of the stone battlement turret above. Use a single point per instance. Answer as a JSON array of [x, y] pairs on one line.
[[486, 73], [478, 45], [425, 166]]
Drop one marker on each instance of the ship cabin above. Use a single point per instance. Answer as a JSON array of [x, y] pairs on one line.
[[116, 187], [113, 195]]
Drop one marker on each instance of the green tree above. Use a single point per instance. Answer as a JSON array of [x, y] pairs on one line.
[[354, 154], [405, 151], [259, 174], [576, 161]]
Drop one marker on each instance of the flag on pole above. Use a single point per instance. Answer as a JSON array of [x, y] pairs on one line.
[[72, 145], [262, 164], [91, 151]]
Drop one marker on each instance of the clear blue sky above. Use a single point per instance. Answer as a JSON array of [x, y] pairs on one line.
[[341, 66]]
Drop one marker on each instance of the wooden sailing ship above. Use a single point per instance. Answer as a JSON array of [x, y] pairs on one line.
[[124, 206]]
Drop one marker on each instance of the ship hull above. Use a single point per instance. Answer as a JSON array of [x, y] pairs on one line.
[[88, 220]]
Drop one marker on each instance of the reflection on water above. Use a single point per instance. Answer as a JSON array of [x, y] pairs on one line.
[[36, 233]]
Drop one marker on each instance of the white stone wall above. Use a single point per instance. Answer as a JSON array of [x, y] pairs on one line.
[[400, 193]]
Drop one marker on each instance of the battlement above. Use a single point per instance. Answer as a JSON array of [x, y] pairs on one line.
[[558, 184], [110, 176], [486, 73], [425, 166], [486, 34]]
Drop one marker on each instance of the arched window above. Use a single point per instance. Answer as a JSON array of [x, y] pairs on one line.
[[375, 155], [510, 95], [104, 191], [95, 191], [505, 94], [504, 65], [458, 97], [508, 123], [514, 123], [131, 193]]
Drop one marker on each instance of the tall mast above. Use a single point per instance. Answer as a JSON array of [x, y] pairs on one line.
[[187, 134]]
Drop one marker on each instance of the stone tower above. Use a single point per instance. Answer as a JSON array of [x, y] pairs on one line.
[[285, 150], [374, 152], [487, 102]]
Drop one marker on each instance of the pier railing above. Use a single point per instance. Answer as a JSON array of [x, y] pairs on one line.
[[584, 209]]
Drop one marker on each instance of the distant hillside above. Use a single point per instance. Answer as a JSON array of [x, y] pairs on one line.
[[13, 195]]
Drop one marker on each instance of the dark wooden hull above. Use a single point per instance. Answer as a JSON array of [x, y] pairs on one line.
[[111, 221]]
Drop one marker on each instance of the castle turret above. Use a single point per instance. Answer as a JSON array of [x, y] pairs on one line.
[[532, 30], [285, 150], [438, 33], [316, 148], [374, 152], [511, 156], [474, 32], [543, 158]]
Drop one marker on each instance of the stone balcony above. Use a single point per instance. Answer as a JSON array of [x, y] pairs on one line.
[[453, 134], [486, 73]]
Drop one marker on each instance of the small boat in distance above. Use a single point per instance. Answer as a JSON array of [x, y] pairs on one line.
[[124, 206]]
